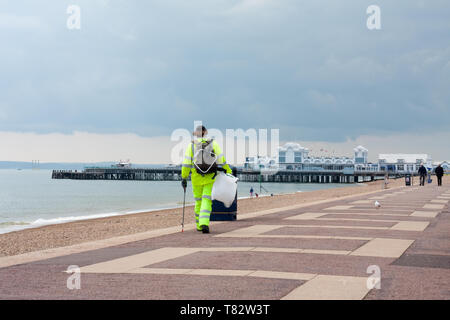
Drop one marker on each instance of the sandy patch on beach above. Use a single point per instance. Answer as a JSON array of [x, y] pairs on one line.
[[71, 233]]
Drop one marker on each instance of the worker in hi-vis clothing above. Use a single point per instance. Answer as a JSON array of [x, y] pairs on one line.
[[202, 175]]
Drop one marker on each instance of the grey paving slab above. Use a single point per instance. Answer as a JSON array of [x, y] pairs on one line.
[[424, 260]]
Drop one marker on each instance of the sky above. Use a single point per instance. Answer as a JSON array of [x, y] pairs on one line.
[[137, 70]]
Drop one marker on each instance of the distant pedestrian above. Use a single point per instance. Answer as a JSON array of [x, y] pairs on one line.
[[386, 181], [423, 174], [439, 171], [251, 192]]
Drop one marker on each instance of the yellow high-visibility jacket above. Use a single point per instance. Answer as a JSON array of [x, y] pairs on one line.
[[188, 165]]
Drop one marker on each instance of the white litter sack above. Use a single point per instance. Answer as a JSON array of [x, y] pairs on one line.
[[224, 188]]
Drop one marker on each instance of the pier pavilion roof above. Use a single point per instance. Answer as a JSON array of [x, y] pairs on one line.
[[329, 160], [360, 149], [293, 146], [404, 157]]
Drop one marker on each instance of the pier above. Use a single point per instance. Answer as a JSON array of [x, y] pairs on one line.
[[245, 175]]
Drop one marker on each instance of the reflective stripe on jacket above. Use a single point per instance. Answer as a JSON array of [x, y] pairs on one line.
[[187, 165]]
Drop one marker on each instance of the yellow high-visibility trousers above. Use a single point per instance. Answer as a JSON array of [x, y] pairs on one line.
[[203, 204]]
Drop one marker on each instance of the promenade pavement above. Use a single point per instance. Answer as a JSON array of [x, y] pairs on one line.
[[339, 249]]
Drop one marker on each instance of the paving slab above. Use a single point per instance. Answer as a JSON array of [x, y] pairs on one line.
[[410, 226], [389, 248], [325, 287], [426, 214], [440, 201], [434, 206]]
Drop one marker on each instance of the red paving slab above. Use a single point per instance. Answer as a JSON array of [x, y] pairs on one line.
[[339, 244], [330, 223], [370, 233], [284, 262], [412, 283], [421, 272], [373, 217], [435, 239]]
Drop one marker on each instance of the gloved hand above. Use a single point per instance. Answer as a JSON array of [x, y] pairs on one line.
[[184, 183]]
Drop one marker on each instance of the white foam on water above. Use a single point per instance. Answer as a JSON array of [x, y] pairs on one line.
[[58, 220], [6, 227]]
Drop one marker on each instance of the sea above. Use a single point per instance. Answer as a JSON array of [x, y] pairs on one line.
[[31, 198]]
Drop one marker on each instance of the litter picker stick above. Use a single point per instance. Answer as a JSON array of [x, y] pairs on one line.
[[184, 204]]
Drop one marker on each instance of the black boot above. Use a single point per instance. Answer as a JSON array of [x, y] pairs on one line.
[[205, 229]]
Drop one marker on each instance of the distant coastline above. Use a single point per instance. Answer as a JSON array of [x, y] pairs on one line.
[[23, 165]]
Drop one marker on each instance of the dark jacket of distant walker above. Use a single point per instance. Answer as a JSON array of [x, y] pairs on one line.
[[422, 171], [439, 171]]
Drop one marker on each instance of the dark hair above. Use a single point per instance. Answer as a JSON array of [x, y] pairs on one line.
[[199, 129]]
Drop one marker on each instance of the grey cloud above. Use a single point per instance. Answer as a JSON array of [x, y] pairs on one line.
[[310, 68]]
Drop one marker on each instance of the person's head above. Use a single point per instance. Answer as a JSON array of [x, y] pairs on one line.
[[200, 132], [439, 165]]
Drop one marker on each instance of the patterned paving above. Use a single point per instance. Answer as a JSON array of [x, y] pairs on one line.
[[321, 251]]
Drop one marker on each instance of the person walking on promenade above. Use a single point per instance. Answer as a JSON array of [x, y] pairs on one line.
[[386, 181], [439, 171], [251, 192], [423, 174], [202, 159]]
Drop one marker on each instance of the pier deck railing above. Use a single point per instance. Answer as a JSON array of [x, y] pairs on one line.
[[174, 174]]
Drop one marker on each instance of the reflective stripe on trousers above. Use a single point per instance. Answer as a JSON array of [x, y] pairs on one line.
[[203, 203]]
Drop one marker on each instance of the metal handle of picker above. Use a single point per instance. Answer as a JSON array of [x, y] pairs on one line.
[[184, 204]]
